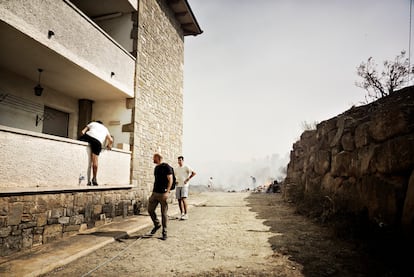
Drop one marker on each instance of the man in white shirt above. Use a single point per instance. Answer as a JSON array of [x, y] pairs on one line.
[[183, 173], [96, 134]]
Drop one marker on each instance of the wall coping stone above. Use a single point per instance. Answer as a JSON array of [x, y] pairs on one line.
[[51, 137], [47, 190]]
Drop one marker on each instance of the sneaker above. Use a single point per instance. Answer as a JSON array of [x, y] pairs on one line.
[[164, 236], [94, 183], [155, 229], [89, 183], [184, 217]]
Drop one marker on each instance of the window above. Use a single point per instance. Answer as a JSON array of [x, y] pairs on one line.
[[55, 122]]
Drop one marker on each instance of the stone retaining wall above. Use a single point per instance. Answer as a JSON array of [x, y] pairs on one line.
[[361, 161], [31, 220]]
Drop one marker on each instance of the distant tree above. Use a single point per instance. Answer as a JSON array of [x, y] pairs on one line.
[[392, 77]]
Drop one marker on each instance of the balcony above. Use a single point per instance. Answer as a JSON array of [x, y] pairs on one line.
[[79, 59], [34, 162]]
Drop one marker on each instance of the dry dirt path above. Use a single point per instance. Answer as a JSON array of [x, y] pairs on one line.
[[232, 234]]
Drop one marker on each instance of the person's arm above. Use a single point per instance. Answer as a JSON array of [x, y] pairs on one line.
[[110, 141], [189, 177], [170, 181], [84, 130]]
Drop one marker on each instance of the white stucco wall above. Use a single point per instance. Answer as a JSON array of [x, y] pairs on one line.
[[113, 114], [76, 38], [29, 159], [15, 115]]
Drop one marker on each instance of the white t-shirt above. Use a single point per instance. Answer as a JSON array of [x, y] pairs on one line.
[[182, 173], [98, 131]]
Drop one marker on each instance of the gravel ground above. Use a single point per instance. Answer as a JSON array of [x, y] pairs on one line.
[[232, 234]]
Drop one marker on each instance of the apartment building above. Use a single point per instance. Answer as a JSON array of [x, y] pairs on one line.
[[63, 64]]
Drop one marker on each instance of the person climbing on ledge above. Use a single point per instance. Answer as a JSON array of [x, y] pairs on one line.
[[97, 135]]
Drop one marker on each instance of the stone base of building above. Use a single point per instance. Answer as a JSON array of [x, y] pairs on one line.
[[31, 219]]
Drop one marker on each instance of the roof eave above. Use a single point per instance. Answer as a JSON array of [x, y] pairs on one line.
[[185, 17]]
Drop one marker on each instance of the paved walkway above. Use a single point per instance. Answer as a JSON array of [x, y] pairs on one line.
[[42, 259]]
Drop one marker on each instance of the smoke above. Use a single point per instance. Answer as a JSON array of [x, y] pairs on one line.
[[241, 175]]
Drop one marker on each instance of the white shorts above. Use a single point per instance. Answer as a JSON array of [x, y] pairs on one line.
[[181, 192]]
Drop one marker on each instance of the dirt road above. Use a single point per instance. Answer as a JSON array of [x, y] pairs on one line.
[[232, 234]]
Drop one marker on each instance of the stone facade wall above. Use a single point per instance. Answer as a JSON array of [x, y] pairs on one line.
[[31, 220], [157, 115], [34, 218], [361, 160]]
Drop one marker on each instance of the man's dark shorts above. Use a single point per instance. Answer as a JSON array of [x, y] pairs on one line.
[[95, 144]]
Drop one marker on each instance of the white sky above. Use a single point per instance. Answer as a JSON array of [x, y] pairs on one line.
[[261, 68]]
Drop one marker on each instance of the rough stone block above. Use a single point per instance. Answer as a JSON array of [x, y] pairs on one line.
[[70, 211], [27, 225], [28, 206], [341, 126], [385, 125], [5, 231], [52, 221], [347, 142], [41, 219], [56, 213], [27, 217], [327, 182], [322, 162], [15, 213], [4, 206], [395, 155], [343, 164], [71, 228], [27, 238], [3, 221], [107, 199], [37, 239], [64, 220], [52, 233], [16, 232], [379, 196], [108, 210], [364, 157], [38, 230], [361, 135], [11, 244], [76, 219], [125, 209], [97, 209], [88, 212]]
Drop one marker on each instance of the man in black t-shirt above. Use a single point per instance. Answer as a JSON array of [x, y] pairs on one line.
[[162, 185]]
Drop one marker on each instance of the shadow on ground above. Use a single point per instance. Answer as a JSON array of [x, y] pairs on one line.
[[316, 247]]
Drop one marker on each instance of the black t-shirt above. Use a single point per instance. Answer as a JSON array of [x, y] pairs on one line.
[[161, 181]]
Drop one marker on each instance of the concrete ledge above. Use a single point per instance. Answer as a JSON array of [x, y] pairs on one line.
[[41, 190], [51, 137], [34, 161]]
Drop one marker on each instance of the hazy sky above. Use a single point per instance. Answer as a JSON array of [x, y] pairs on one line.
[[261, 68]]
